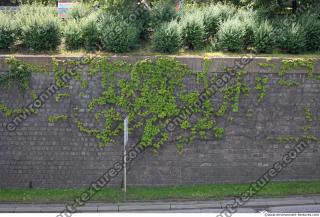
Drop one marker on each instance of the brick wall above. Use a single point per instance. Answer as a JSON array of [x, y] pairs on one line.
[[54, 155]]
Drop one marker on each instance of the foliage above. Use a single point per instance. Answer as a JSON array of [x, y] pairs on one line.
[[18, 73], [226, 11], [162, 12], [292, 38], [248, 20], [192, 31], [57, 118], [211, 21], [73, 35], [311, 26], [263, 37], [218, 132], [8, 31], [199, 192], [287, 84], [79, 11], [40, 28], [231, 35], [117, 35], [167, 38], [59, 96], [90, 32], [261, 86], [9, 112], [308, 114]]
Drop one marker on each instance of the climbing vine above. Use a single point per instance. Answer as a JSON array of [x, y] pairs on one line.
[[261, 87], [151, 92]]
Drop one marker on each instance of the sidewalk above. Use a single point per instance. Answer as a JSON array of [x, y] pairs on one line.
[[254, 205]]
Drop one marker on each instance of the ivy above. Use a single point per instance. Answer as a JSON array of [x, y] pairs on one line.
[[59, 96], [218, 132], [308, 114], [18, 72], [267, 65], [287, 84], [150, 93], [261, 86], [9, 112], [297, 63], [57, 118]]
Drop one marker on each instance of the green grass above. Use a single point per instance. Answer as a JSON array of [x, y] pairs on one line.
[[176, 193]]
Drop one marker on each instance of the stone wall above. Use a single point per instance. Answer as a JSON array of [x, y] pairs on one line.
[[57, 155]]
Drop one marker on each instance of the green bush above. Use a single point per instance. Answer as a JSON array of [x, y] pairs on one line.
[[27, 10], [311, 27], [231, 35], [226, 11], [167, 38], [211, 21], [247, 18], [117, 35], [264, 37], [90, 32], [73, 35], [192, 31], [291, 38], [132, 12], [162, 12], [8, 31], [41, 33], [40, 27], [79, 11]]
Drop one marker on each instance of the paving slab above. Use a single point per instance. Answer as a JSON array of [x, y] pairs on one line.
[[316, 199], [242, 210], [289, 201], [7, 209], [55, 209], [296, 209], [124, 208], [266, 202], [28, 209], [88, 208], [197, 205], [108, 208]]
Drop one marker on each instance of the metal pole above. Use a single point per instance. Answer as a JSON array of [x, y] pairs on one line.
[[125, 141], [124, 169]]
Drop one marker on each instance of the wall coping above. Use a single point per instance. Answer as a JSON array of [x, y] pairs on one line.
[[194, 62]]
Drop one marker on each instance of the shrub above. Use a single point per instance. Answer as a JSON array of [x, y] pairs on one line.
[[41, 33], [162, 12], [73, 35], [167, 39], [211, 21], [292, 38], [264, 37], [247, 18], [311, 27], [90, 32], [8, 31], [132, 12], [192, 32], [141, 20], [231, 35], [79, 11], [40, 27], [117, 35], [226, 11]]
